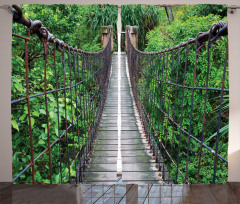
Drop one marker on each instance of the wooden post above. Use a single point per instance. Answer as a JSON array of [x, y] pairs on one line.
[[105, 31], [126, 37], [134, 35]]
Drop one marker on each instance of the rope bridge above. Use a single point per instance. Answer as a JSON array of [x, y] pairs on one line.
[[169, 88], [71, 94], [61, 101]]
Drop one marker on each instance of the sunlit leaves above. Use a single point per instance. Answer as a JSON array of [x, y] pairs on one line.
[[42, 111], [22, 117], [15, 125], [41, 142]]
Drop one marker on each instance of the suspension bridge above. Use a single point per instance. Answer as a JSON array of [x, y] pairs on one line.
[[121, 107], [119, 115]]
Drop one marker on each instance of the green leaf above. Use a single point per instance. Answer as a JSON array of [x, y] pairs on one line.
[[54, 137], [55, 17], [73, 173], [41, 142], [51, 114], [32, 122], [35, 113], [42, 111], [15, 125], [18, 87], [17, 142], [24, 160], [57, 178], [22, 117], [15, 156], [43, 136], [223, 130], [66, 170], [25, 109]]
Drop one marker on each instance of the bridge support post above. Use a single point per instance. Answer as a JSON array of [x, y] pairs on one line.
[[105, 31], [134, 35]]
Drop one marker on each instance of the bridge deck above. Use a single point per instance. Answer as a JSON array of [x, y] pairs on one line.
[[120, 153]]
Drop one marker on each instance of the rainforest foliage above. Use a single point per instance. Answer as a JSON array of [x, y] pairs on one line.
[[188, 22], [79, 26]]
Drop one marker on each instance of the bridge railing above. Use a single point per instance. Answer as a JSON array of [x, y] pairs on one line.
[[56, 108], [182, 96]]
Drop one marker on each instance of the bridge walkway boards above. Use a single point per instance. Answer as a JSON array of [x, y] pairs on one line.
[[120, 154]]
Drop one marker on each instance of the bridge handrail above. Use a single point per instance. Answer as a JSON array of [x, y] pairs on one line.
[[138, 59]]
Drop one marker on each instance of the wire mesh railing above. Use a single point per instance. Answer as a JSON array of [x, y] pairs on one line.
[[182, 96], [56, 108]]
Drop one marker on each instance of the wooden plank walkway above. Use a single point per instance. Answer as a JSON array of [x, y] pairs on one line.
[[120, 153], [123, 194]]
